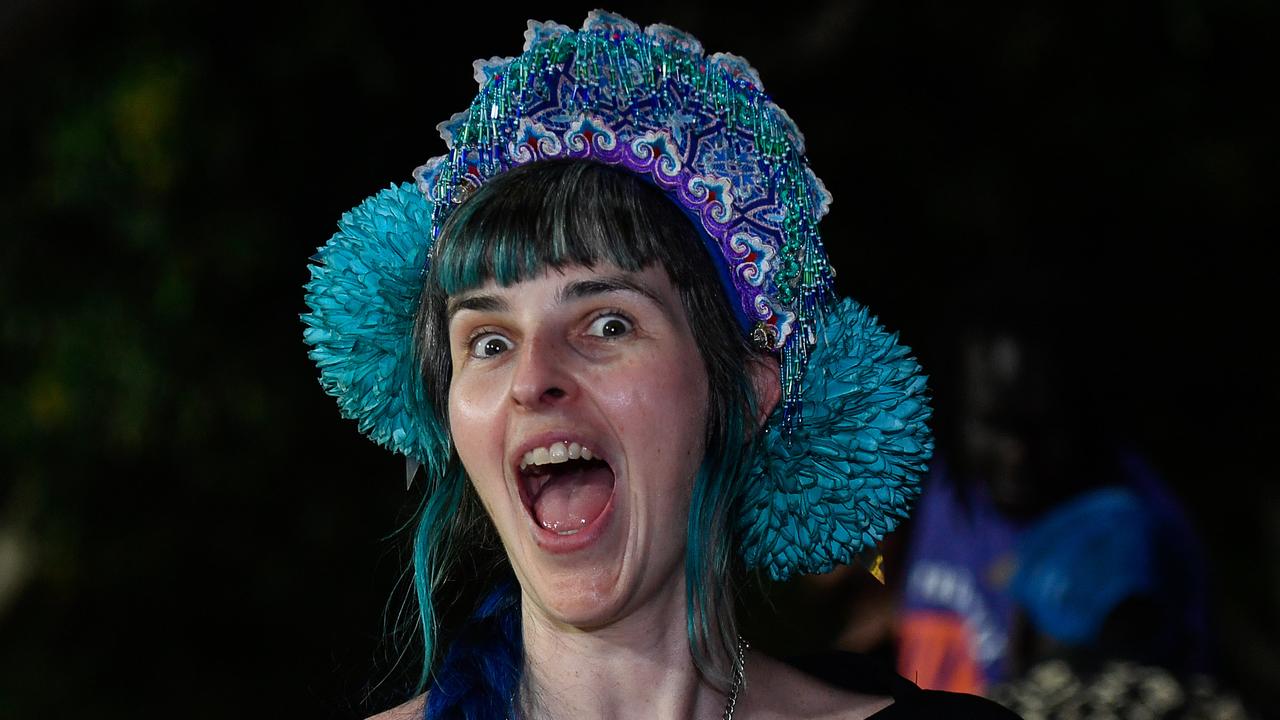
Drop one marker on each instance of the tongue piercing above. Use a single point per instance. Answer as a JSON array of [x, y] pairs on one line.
[[555, 527]]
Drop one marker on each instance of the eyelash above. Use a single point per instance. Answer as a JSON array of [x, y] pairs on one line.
[[478, 335], [483, 332], [612, 313]]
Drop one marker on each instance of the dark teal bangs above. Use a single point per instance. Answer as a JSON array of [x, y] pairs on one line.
[[557, 214]]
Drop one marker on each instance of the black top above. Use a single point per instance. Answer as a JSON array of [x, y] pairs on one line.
[[869, 676]]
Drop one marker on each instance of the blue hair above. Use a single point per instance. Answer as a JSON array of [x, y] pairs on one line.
[[434, 550], [709, 554], [558, 214], [479, 676]]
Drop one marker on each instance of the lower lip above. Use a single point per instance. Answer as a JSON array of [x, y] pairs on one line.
[[557, 544]]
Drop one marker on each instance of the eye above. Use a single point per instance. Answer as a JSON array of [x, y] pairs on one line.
[[610, 325], [489, 345]]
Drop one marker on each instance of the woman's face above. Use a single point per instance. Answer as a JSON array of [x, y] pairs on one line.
[[578, 406]]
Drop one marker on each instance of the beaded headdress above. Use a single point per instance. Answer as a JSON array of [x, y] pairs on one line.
[[698, 126], [840, 463]]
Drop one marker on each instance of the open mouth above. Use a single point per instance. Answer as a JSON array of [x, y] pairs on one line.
[[565, 487]]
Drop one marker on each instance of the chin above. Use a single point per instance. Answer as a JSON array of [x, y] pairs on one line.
[[583, 598], [600, 584]]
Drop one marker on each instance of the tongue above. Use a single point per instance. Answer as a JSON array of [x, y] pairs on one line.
[[572, 499]]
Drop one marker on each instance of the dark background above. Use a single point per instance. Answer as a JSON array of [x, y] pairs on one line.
[[186, 525]]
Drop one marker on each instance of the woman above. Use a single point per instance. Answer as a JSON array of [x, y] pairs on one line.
[[605, 315]]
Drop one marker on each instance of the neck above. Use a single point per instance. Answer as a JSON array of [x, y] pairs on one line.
[[637, 667]]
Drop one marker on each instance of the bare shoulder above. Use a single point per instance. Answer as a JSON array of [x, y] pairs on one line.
[[411, 710], [778, 691]]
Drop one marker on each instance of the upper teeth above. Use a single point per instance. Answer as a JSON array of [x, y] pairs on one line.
[[557, 452]]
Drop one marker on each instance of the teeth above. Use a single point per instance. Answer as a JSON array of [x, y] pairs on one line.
[[555, 453]]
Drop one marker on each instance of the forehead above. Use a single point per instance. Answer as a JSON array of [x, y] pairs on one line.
[[566, 285]]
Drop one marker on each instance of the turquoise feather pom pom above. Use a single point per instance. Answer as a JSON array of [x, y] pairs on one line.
[[851, 470], [843, 479], [363, 295]]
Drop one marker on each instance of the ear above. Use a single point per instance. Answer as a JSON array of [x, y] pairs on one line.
[[766, 381]]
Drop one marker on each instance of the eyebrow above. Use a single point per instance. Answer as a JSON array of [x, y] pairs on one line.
[[576, 290], [478, 303], [580, 289]]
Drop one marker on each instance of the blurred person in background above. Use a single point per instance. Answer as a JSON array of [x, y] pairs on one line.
[[1049, 566]]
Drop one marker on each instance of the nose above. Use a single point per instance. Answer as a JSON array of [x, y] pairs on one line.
[[542, 378]]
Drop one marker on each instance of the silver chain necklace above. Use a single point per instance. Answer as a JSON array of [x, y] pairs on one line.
[[739, 674]]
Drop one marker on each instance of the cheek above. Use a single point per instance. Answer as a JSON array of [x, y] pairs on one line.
[[661, 402], [474, 422]]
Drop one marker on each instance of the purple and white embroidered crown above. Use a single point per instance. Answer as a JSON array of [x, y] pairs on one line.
[[701, 127]]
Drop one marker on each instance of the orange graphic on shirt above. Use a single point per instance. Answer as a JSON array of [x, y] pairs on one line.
[[936, 652]]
